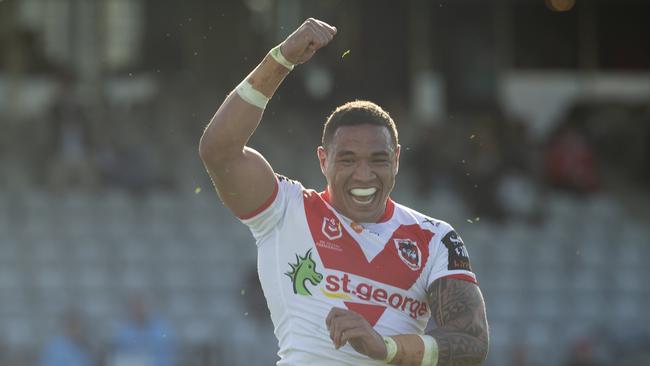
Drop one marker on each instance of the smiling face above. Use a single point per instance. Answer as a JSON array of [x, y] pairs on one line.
[[360, 165]]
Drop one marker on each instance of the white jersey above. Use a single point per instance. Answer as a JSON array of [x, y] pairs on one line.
[[311, 258]]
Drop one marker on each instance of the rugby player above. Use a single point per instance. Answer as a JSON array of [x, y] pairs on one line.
[[350, 276]]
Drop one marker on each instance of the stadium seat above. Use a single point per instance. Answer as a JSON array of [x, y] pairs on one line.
[[547, 278], [545, 306], [14, 299], [96, 249], [628, 307], [628, 280]]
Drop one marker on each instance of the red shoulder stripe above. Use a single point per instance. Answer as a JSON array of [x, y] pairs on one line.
[[264, 205], [463, 277]]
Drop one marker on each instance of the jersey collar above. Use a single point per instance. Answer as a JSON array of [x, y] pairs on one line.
[[388, 211]]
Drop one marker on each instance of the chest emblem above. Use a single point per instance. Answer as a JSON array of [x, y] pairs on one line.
[[332, 228], [409, 253], [302, 272]]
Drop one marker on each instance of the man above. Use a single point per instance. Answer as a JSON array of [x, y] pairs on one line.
[[350, 277], [71, 346], [142, 337]]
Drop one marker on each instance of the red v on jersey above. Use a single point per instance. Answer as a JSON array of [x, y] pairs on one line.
[[371, 313], [399, 264], [387, 267]]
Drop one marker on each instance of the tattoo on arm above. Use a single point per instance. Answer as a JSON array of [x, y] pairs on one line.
[[458, 309]]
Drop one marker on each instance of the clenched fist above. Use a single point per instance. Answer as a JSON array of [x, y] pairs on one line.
[[301, 45]]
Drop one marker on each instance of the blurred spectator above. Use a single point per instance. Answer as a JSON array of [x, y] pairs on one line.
[[108, 164], [518, 147], [570, 162], [127, 167], [581, 354], [71, 162], [517, 189], [253, 341], [485, 156], [483, 167], [134, 172], [426, 159], [142, 338], [518, 194], [519, 356], [70, 347]]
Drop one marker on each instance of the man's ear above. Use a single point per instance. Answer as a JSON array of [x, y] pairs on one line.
[[322, 158], [397, 151]]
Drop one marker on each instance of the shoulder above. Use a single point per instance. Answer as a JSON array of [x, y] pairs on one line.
[[282, 179], [289, 187], [407, 215]]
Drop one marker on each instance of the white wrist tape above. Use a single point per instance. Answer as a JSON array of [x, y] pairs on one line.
[[391, 349], [430, 357], [251, 95], [279, 57]]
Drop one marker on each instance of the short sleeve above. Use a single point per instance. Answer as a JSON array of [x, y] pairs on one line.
[[450, 257], [270, 214]]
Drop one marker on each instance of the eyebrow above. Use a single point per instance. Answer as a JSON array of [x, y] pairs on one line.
[[374, 154]]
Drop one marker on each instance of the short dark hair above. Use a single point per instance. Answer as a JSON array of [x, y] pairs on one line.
[[358, 112]]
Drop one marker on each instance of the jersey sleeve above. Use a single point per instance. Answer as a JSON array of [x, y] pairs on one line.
[[450, 257], [271, 213]]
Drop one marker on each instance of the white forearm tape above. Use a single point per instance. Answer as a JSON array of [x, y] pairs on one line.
[[429, 354], [430, 357], [279, 57], [251, 95], [391, 349]]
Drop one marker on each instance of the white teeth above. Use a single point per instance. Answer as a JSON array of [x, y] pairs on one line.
[[363, 191], [363, 195]]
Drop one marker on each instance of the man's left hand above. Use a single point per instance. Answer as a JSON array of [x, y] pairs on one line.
[[347, 326]]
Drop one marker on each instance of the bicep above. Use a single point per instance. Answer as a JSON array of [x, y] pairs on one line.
[[243, 183], [458, 305]]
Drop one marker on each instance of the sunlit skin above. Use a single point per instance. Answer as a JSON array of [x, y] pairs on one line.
[[360, 156]]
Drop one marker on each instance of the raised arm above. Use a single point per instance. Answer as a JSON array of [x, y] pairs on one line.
[[242, 177]]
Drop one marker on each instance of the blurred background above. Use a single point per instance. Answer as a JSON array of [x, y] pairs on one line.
[[524, 123]]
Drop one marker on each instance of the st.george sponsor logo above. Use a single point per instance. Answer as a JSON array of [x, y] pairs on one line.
[[344, 288]]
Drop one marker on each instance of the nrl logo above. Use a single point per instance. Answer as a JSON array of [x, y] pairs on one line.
[[332, 228], [409, 253]]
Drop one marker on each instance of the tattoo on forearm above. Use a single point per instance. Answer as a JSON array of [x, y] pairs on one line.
[[458, 309]]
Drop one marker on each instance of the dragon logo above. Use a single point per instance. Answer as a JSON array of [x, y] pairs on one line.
[[304, 271]]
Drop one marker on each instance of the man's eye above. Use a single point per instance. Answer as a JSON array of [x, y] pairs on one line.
[[380, 161], [346, 161]]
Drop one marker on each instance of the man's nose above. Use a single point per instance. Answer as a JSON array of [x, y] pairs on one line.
[[363, 171]]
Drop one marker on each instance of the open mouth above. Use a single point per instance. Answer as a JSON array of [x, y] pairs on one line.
[[363, 196]]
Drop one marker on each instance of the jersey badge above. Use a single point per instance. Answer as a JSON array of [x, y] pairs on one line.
[[409, 253], [332, 228], [458, 255], [302, 272]]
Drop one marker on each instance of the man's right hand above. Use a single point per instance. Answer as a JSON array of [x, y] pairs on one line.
[[241, 175], [301, 45]]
